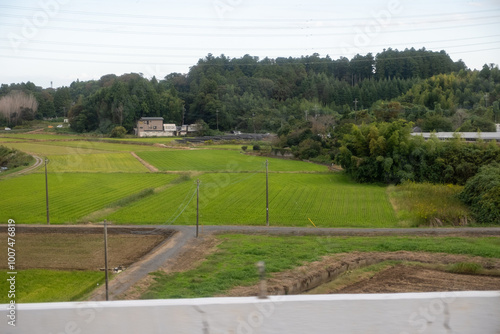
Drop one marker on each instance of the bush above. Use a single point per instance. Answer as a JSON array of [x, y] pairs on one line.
[[244, 148], [118, 132], [482, 193], [12, 158], [256, 147]]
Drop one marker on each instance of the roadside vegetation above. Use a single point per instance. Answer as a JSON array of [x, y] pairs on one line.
[[427, 204], [12, 158]]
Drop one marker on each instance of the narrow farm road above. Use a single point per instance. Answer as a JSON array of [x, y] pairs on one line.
[[145, 163], [38, 163], [185, 235]]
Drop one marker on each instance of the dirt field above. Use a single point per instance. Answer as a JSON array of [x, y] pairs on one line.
[[76, 251], [403, 278]]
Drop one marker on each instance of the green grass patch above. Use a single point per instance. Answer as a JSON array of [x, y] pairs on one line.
[[132, 198], [39, 285], [468, 268], [329, 200], [39, 136], [234, 263], [71, 195], [429, 204], [103, 163], [46, 148], [223, 161], [5, 140], [105, 146]]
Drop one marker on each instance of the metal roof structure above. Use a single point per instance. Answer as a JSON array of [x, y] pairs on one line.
[[151, 118], [464, 135]]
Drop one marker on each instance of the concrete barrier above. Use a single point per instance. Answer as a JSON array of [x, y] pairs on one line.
[[446, 312]]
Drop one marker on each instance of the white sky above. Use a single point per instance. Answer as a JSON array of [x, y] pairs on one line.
[[62, 40]]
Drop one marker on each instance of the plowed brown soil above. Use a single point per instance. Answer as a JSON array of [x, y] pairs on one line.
[[402, 278]]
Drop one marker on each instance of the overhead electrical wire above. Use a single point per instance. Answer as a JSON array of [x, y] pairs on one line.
[[216, 19], [302, 25], [149, 55], [174, 64], [239, 35], [184, 48]]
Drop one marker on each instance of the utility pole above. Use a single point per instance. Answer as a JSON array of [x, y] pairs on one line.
[[355, 104], [306, 114], [253, 121], [183, 112], [267, 193], [197, 204], [47, 192], [217, 113], [106, 256]]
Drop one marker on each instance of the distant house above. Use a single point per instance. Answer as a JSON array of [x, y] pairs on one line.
[[150, 127], [154, 127]]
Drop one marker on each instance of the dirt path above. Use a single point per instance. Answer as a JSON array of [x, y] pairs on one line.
[[145, 163], [38, 163], [150, 263]]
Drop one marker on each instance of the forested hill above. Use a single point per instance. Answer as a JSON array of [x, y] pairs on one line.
[[265, 95]]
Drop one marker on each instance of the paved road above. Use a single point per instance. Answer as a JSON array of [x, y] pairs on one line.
[[184, 234]]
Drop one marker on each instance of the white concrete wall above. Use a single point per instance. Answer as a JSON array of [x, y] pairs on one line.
[[156, 134], [452, 312]]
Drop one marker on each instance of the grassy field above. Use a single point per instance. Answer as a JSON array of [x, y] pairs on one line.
[[72, 195], [106, 146], [47, 148], [428, 204], [104, 163], [330, 200], [5, 140], [222, 160], [39, 136], [234, 263], [40, 285]]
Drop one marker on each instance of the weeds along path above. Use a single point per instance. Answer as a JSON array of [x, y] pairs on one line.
[[146, 164], [124, 283]]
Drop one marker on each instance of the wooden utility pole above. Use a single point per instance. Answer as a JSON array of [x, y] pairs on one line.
[[106, 256], [267, 193], [355, 104], [217, 113], [47, 192], [197, 205]]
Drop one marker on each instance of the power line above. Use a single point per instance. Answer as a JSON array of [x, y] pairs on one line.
[[214, 19], [253, 27], [142, 47], [239, 35], [183, 64], [149, 55]]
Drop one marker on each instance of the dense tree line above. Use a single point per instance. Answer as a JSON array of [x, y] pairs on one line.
[[246, 93], [387, 152]]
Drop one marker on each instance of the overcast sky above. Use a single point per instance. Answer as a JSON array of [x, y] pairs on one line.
[[59, 41]]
